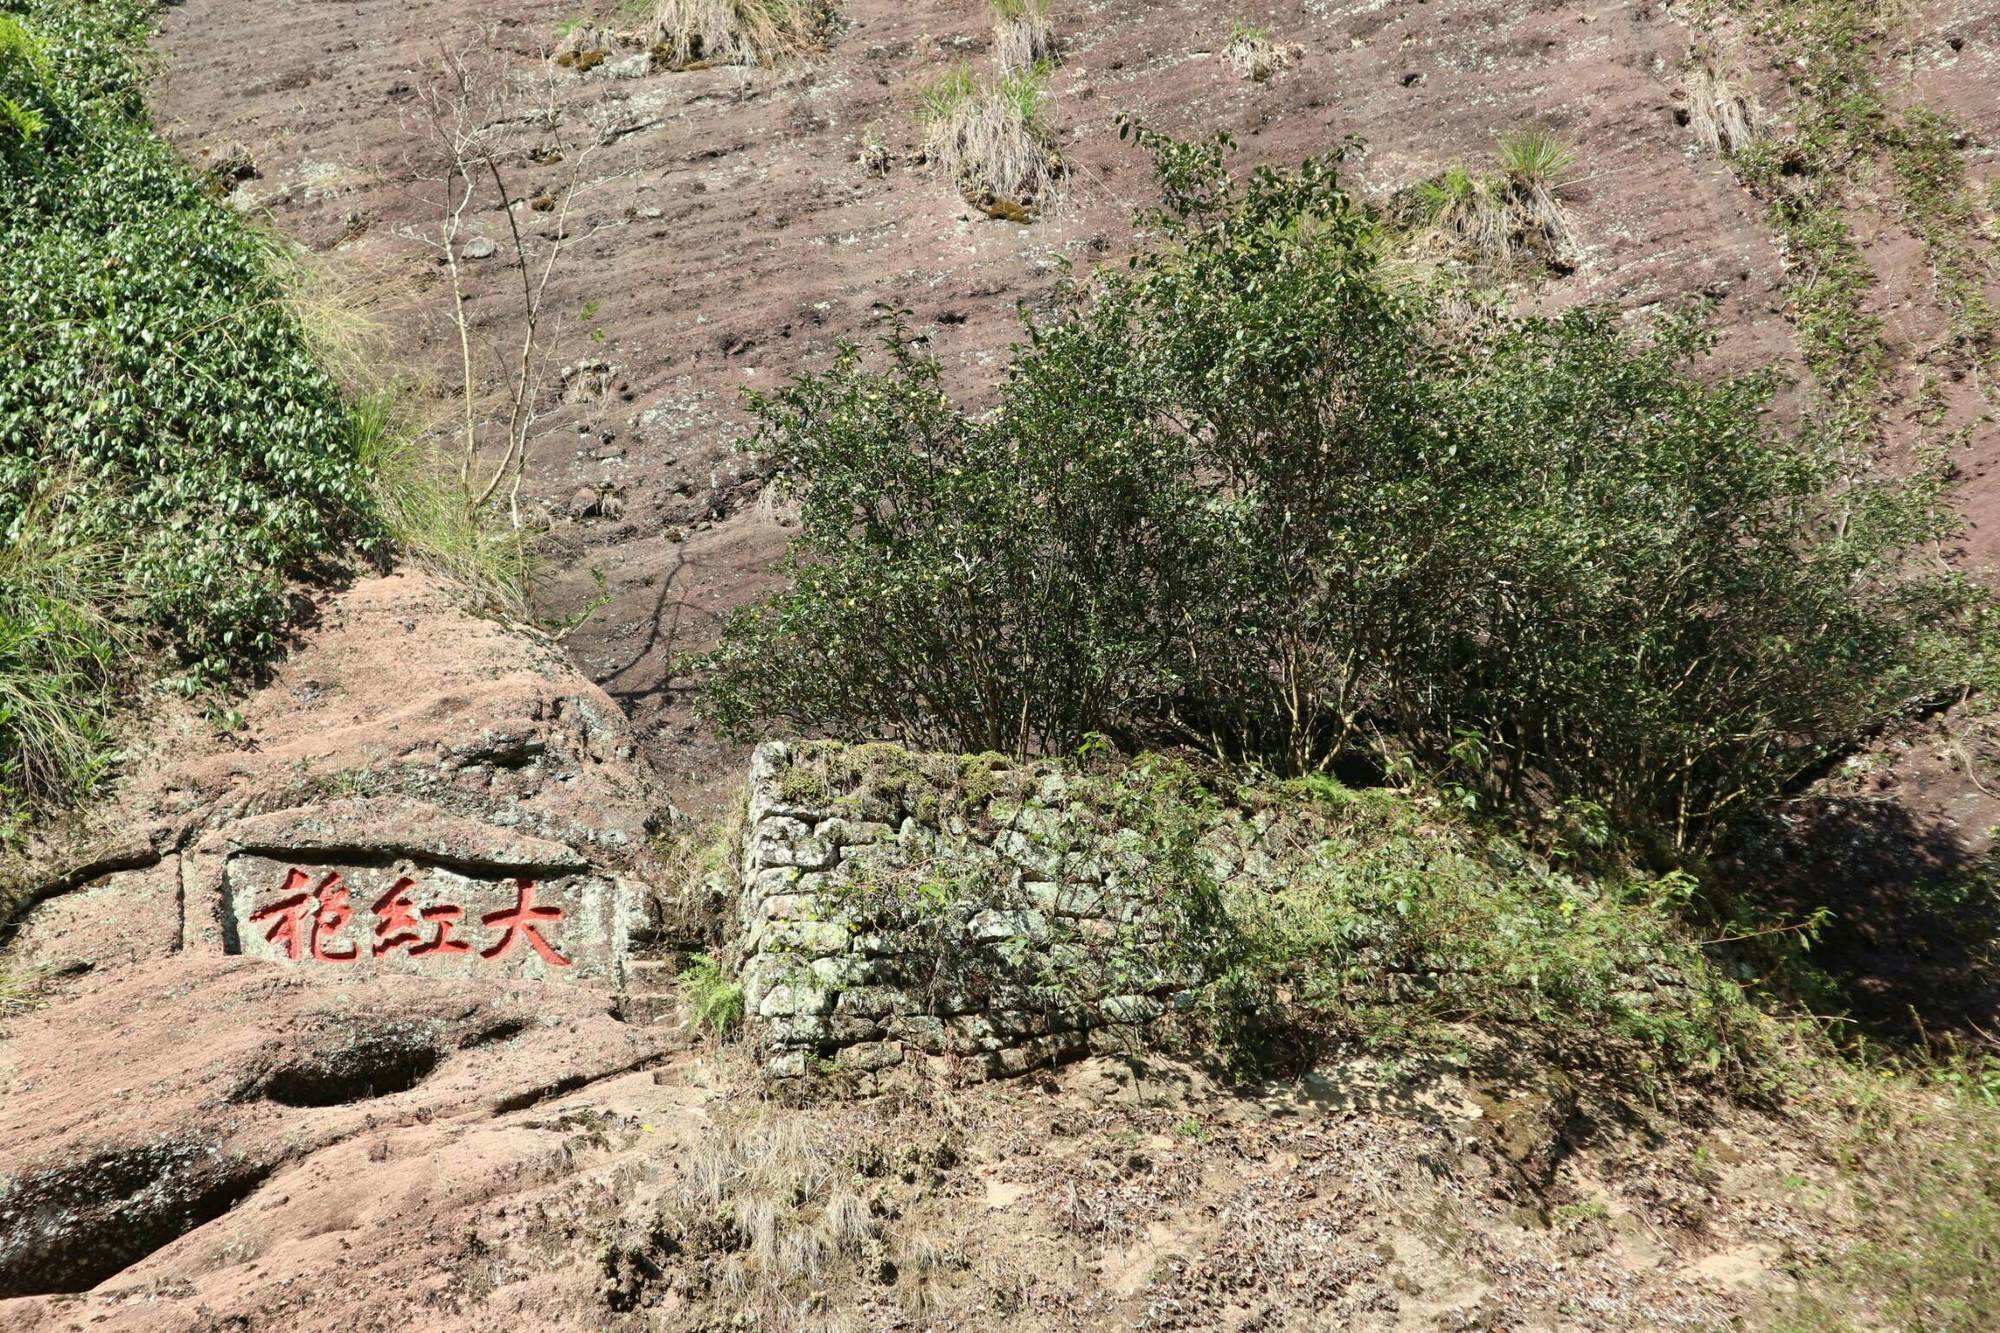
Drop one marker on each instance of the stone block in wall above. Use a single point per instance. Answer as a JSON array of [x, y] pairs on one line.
[[844, 833], [784, 842], [870, 1056]]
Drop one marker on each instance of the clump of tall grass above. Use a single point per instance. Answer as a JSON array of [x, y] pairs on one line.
[[1496, 220], [772, 1214], [419, 498], [1022, 37], [426, 513], [1255, 55], [993, 139], [1722, 115], [60, 656], [689, 33]]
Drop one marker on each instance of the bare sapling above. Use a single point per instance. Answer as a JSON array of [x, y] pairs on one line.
[[472, 130]]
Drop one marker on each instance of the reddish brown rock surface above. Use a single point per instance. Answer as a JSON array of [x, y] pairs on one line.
[[730, 234]]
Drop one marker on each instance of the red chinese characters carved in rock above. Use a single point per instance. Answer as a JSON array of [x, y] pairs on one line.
[[308, 923]]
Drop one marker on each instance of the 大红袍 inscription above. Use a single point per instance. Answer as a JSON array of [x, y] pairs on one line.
[[310, 923], [425, 918]]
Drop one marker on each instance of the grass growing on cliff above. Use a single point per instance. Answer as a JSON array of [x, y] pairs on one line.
[[1022, 37], [690, 33], [1805, 180], [1254, 54], [1928, 159], [60, 655], [1843, 127], [993, 139], [1497, 220], [1720, 111], [420, 503]]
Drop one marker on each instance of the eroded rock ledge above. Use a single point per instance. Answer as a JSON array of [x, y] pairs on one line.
[[411, 766]]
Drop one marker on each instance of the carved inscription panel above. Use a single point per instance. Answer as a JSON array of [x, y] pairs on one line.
[[425, 918]]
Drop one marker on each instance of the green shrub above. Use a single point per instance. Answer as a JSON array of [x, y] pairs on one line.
[[1399, 922], [147, 357], [149, 361], [1246, 493], [714, 997]]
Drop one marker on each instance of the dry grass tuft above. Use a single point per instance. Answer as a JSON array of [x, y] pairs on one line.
[[994, 140], [690, 34], [1723, 117], [789, 1216], [343, 308], [62, 657], [1496, 222], [1022, 37], [1255, 55]]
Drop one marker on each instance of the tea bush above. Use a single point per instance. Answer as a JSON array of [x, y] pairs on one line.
[[159, 405], [1252, 493]]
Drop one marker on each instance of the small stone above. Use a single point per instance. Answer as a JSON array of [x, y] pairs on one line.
[[1132, 1009], [994, 925], [478, 248], [790, 1064], [872, 1055], [854, 832]]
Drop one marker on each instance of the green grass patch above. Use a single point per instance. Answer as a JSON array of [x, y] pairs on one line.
[[60, 655], [1920, 1151], [1929, 165], [1805, 179], [193, 424], [1496, 222], [713, 996]]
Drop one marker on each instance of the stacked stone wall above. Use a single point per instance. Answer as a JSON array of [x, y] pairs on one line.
[[896, 906]]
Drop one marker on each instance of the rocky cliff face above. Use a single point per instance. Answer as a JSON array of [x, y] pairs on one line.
[[407, 748], [737, 221]]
